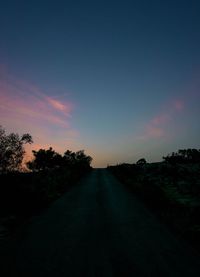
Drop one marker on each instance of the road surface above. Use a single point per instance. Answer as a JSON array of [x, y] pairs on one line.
[[98, 229]]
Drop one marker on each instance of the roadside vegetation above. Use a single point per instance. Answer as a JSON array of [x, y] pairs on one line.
[[170, 188], [25, 192]]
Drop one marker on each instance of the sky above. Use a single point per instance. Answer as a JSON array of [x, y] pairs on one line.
[[118, 79]]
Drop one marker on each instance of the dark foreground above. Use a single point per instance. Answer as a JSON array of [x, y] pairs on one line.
[[97, 229]]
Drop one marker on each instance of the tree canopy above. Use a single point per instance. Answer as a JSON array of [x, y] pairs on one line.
[[12, 150], [49, 159], [184, 156]]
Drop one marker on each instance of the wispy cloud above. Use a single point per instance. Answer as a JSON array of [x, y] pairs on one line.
[[65, 108], [179, 105], [20, 99], [158, 126], [160, 119], [25, 107], [154, 132]]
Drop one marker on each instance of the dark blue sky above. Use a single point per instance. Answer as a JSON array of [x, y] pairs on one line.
[[129, 69]]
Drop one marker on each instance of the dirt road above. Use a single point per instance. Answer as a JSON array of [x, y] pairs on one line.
[[98, 229]]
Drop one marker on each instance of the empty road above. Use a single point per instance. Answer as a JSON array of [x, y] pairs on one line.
[[97, 229]]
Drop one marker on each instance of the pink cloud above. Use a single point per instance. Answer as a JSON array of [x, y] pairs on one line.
[[158, 126], [160, 119], [178, 105], [20, 99], [26, 108], [65, 108], [154, 132]]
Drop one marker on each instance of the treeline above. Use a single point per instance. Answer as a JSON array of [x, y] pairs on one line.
[[12, 153], [49, 159], [26, 191], [171, 188], [183, 156]]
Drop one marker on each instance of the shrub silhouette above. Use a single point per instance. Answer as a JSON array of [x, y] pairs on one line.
[[141, 161]]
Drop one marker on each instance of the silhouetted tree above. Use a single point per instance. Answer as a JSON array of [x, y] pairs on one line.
[[49, 159], [82, 159], [174, 158], [12, 150], [69, 158], [45, 159], [77, 159], [141, 161], [183, 156]]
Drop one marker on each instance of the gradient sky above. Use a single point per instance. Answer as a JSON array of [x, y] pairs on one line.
[[119, 79]]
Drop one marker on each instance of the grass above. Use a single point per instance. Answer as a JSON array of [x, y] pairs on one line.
[[171, 191]]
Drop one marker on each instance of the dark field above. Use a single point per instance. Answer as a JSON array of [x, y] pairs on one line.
[[172, 191]]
